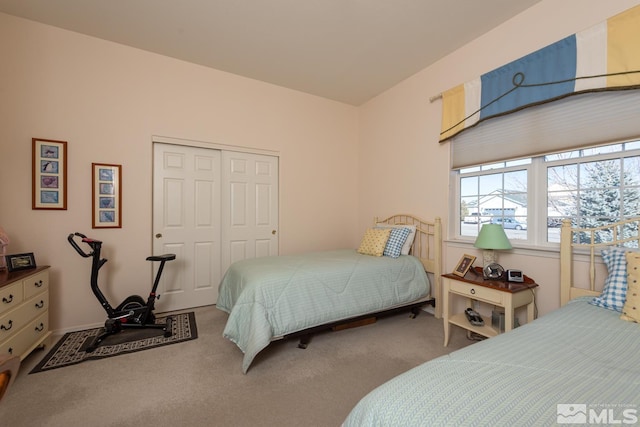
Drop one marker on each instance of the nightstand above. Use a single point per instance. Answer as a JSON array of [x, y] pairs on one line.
[[499, 293]]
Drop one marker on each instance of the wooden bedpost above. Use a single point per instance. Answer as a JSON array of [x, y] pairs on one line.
[[437, 273], [566, 265]]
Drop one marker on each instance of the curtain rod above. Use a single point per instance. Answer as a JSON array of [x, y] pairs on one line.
[[435, 97]]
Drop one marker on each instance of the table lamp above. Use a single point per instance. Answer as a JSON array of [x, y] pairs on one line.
[[491, 238]]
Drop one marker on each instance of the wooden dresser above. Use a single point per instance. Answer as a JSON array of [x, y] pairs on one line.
[[24, 311]]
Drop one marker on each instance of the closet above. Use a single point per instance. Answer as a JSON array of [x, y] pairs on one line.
[[211, 207]]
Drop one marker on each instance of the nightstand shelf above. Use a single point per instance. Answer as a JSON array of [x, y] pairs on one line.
[[486, 330], [499, 293]]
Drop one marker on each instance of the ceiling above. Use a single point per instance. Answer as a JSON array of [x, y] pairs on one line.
[[345, 50]]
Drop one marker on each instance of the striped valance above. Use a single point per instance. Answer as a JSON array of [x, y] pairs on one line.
[[603, 57]]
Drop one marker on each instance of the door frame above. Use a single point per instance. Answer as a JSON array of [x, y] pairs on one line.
[[213, 146]]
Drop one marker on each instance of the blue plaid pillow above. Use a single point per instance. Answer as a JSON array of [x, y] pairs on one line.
[[614, 292], [396, 241]]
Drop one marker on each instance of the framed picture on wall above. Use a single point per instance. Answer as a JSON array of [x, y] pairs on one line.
[[49, 174], [107, 195]]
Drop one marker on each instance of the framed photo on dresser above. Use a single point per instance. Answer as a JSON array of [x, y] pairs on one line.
[[17, 262]]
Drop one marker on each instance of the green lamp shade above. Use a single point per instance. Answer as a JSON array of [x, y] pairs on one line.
[[492, 236]]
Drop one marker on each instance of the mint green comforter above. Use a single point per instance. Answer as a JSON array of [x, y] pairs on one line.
[[576, 364], [273, 296]]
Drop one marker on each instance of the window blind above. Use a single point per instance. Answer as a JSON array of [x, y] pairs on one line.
[[572, 122]]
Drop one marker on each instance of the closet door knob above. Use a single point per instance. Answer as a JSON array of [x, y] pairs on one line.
[[158, 235], [273, 232]]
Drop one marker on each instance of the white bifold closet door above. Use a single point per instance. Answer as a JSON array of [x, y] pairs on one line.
[[210, 208], [250, 206]]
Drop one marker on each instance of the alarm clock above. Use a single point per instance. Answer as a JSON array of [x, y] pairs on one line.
[[515, 276]]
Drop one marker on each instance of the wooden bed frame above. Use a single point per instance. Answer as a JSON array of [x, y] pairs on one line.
[[427, 247], [571, 239]]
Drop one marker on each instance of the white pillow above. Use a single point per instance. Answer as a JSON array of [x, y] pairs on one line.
[[407, 243]]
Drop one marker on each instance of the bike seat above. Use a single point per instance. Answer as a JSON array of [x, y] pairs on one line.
[[165, 257]]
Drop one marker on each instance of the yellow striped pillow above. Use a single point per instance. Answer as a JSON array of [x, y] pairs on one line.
[[631, 309], [374, 241]]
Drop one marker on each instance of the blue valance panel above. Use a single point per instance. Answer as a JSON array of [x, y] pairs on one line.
[[603, 57]]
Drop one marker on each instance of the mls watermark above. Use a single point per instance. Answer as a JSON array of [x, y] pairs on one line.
[[580, 413]]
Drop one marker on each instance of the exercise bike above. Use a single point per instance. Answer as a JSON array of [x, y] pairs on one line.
[[131, 313]]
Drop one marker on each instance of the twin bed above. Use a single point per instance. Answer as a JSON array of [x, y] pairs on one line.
[[577, 365], [271, 298]]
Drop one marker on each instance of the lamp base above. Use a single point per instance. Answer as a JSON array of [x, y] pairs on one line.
[[491, 270], [489, 256]]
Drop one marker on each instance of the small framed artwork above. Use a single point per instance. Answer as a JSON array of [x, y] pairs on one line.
[[464, 265], [107, 195], [20, 261], [49, 176]]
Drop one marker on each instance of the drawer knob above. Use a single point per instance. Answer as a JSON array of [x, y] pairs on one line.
[[40, 304], [38, 284], [6, 328], [7, 301], [10, 350], [40, 327], [473, 291]]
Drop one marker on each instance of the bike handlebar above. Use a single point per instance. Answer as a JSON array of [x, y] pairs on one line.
[[86, 240]]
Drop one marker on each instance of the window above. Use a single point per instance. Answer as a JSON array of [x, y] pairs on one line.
[[529, 197], [495, 193]]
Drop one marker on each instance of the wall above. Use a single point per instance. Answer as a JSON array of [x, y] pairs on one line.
[[339, 165], [107, 100], [404, 168]]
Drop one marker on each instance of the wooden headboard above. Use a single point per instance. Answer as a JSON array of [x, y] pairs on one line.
[[427, 247], [587, 241]]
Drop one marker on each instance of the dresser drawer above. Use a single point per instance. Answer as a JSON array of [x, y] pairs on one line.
[[36, 284], [12, 321], [24, 311], [29, 337], [476, 292], [10, 297]]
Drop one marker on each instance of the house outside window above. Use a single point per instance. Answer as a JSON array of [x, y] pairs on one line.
[[530, 197]]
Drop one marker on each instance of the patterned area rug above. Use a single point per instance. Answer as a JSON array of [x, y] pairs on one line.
[[70, 349]]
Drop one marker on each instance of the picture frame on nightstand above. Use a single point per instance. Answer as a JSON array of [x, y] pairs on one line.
[[464, 265]]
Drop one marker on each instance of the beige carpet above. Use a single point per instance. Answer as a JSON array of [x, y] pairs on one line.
[[200, 382]]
